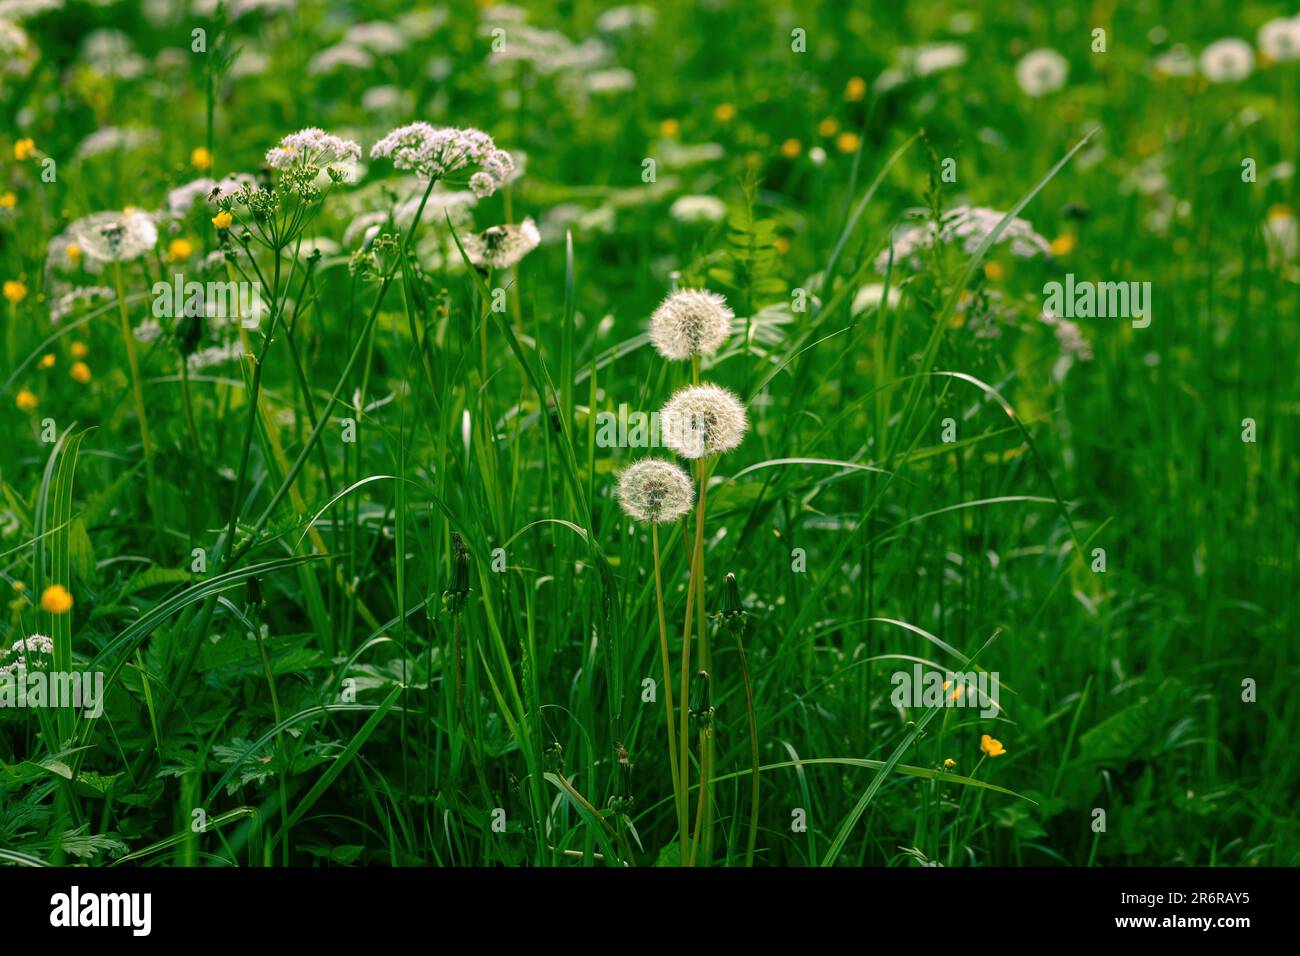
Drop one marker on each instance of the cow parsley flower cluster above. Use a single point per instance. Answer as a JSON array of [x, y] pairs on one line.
[[438, 153], [308, 152], [19, 658], [970, 225]]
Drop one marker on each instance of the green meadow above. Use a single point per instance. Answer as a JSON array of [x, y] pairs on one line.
[[961, 337]]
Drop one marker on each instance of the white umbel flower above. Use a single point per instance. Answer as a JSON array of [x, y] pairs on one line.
[[654, 490], [1280, 39], [433, 153], [702, 420], [1227, 61], [971, 225], [690, 322], [115, 236], [311, 150], [501, 247], [1042, 71]]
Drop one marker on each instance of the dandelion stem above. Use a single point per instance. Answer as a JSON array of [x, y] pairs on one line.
[[753, 753], [679, 801], [128, 341]]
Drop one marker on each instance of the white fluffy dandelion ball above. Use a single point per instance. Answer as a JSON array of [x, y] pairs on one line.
[[1042, 71], [1229, 60], [654, 490], [690, 322], [702, 420], [115, 236]]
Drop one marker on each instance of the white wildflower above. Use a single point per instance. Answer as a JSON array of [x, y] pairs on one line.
[[115, 236], [1227, 61], [703, 420], [1042, 71], [310, 150], [501, 247], [698, 209], [1280, 39], [655, 490], [690, 322]]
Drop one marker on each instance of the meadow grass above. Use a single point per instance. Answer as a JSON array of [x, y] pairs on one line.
[[361, 588]]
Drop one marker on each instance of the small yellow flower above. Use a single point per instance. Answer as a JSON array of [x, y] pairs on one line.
[[791, 148], [949, 763], [79, 350], [47, 360], [74, 252], [782, 244], [994, 270], [847, 142], [855, 89], [14, 291], [1278, 212], [23, 149], [26, 400], [724, 113], [828, 127], [222, 220], [8, 200], [669, 128], [56, 599], [201, 159], [179, 249], [1063, 245], [991, 747], [80, 372]]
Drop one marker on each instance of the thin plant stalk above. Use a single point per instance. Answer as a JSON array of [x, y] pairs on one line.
[[679, 801], [753, 753], [137, 388]]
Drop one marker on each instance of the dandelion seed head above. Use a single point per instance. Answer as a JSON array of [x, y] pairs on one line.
[[703, 420], [115, 236], [654, 490], [1280, 39], [501, 247], [1227, 61], [690, 322], [1042, 71]]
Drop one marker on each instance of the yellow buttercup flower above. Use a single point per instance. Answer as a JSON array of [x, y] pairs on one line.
[[791, 148], [56, 599], [180, 249], [14, 291], [79, 350], [23, 149], [724, 113], [8, 200], [828, 127], [1063, 245], [222, 220], [994, 270], [670, 127], [949, 763], [47, 360], [80, 372], [847, 142], [201, 159], [26, 400], [73, 252], [855, 89], [992, 747]]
